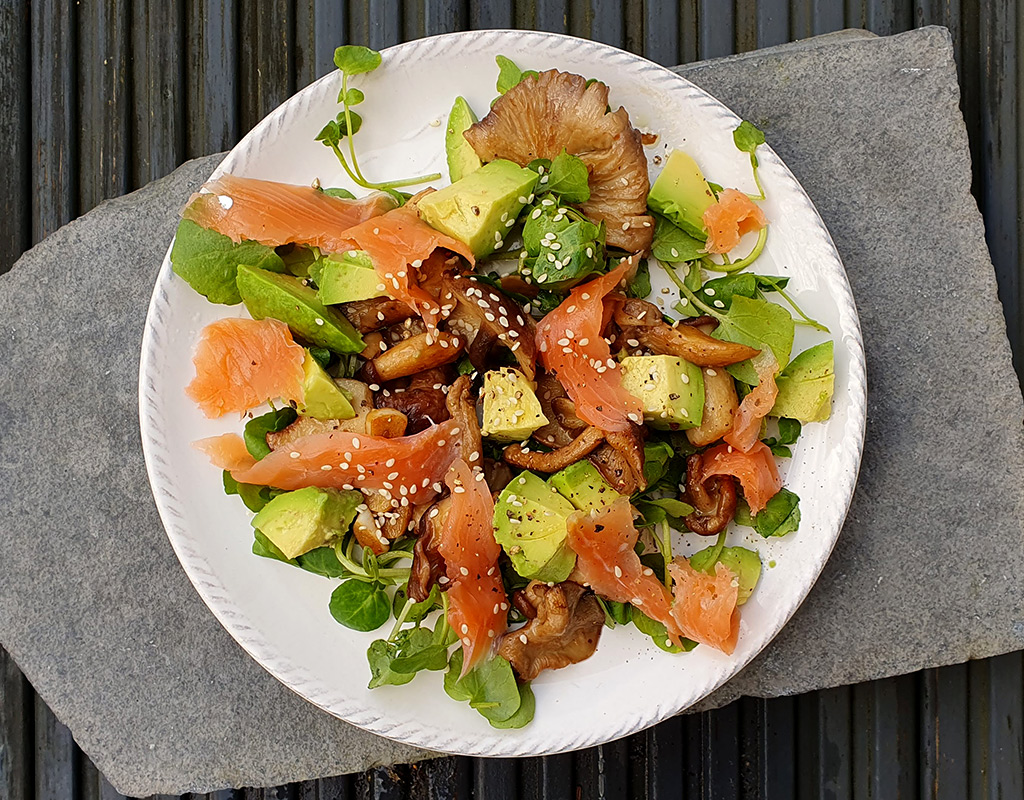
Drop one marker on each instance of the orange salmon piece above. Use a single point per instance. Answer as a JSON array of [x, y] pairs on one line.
[[755, 469], [733, 216], [705, 607]]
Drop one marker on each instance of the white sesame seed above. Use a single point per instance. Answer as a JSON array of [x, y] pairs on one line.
[[294, 454], [464, 571]]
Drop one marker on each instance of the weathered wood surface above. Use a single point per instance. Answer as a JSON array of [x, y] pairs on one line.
[[102, 96]]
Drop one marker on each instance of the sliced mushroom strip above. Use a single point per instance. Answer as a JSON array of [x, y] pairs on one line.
[[615, 469], [632, 312], [564, 629], [387, 422], [580, 447], [713, 498], [428, 567], [372, 315], [550, 392], [415, 354], [497, 474], [690, 343], [720, 404], [630, 445], [495, 314], [422, 407], [462, 409]]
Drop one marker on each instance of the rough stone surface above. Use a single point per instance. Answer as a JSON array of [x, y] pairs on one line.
[[928, 570]]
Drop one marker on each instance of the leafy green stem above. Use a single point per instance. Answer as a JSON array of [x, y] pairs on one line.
[[400, 621], [344, 551], [717, 552], [743, 263], [757, 179], [804, 319], [665, 546], [348, 127], [685, 290]]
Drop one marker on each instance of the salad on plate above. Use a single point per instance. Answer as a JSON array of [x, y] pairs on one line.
[[467, 407]]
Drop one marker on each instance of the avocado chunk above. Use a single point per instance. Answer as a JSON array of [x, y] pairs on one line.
[[681, 194], [322, 397], [530, 524], [288, 299], [481, 208], [745, 564], [806, 385], [462, 158], [670, 389], [583, 486], [300, 521], [512, 411], [346, 278]]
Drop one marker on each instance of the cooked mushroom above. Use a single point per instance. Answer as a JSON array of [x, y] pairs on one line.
[[550, 392], [564, 629], [428, 565], [387, 422], [632, 312], [686, 341], [496, 316], [367, 530], [630, 445], [422, 407], [615, 469], [556, 110], [462, 409], [519, 456], [360, 397], [497, 474], [415, 354], [713, 498], [372, 315], [720, 404]]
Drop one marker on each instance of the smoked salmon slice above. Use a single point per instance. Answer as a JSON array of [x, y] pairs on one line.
[[755, 406], [705, 607], [477, 604], [733, 216], [605, 561], [571, 346], [241, 363], [273, 213], [227, 451], [407, 468], [755, 469], [398, 244]]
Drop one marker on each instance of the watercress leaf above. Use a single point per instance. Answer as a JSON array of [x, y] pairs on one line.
[[658, 633], [465, 366], [656, 562], [576, 250], [230, 484], [722, 290], [380, 656], [418, 610], [568, 178], [619, 612], [490, 687], [509, 74], [524, 715], [344, 194], [780, 516], [674, 508], [789, 430], [354, 59], [321, 355], [672, 244], [359, 605], [323, 561], [756, 323], [747, 137], [353, 98], [330, 134], [418, 651], [262, 546], [256, 430], [780, 451], [343, 123], [640, 286], [743, 516], [540, 165], [657, 455], [771, 283], [208, 261]]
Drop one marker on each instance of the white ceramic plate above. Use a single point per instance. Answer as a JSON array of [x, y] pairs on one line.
[[280, 614]]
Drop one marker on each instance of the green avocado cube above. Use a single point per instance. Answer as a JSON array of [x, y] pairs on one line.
[[512, 411], [530, 524], [670, 389], [346, 278], [681, 194], [806, 385], [481, 208], [300, 521], [322, 397], [462, 158], [290, 300], [583, 486]]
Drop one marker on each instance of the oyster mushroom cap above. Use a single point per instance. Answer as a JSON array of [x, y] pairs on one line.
[[541, 116]]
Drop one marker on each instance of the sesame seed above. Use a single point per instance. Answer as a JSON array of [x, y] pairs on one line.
[[719, 304], [294, 454], [625, 226], [585, 296], [464, 571], [618, 572], [711, 372], [440, 442], [326, 467], [523, 639], [376, 231]]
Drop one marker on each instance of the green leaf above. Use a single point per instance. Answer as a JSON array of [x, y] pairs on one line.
[[780, 516], [673, 245], [330, 134], [510, 75], [254, 496], [418, 610], [658, 632], [568, 178], [743, 516], [780, 450], [256, 430], [640, 286], [789, 430], [323, 561], [208, 261], [674, 508], [321, 355], [353, 98], [490, 687], [359, 605], [561, 245], [747, 137], [344, 194], [418, 651], [756, 323], [380, 656], [657, 456], [651, 514], [353, 59], [343, 120], [524, 715]]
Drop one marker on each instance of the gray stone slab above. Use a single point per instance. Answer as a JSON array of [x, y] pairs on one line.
[[928, 570]]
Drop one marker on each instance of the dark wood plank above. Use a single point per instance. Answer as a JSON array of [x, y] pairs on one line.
[[16, 724], [158, 85], [54, 124], [944, 744], [1005, 701], [91, 783], [661, 33], [495, 779], [666, 759], [103, 110], [823, 753], [444, 16], [321, 26], [717, 29], [689, 31], [773, 22], [600, 20], [54, 761], [543, 15], [15, 132], [885, 738], [267, 69], [434, 779], [722, 751], [546, 778], [767, 737], [602, 773], [211, 69], [484, 15]]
